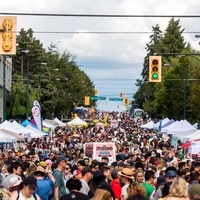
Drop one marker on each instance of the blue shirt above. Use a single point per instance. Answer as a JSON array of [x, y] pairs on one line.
[[44, 187]]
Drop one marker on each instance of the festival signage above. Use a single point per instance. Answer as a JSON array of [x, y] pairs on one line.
[[99, 150], [114, 123], [104, 149], [88, 149]]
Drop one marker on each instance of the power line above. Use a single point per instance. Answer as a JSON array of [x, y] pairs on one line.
[[99, 15]]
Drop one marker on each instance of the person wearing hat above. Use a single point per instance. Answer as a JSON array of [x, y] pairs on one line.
[[27, 190], [45, 181], [121, 165], [14, 184], [127, 178], [104, 191], [169, 177], [194, 192], [59, 186]]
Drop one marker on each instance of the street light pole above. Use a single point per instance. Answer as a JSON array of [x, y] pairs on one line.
[[27, 84], [184, 86], [4, 87]]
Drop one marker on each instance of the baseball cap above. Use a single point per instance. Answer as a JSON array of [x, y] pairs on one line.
[[14, 181], [31, 182], [60, 158], [105, 186], [76, 172], [121, 164], [171, 173]]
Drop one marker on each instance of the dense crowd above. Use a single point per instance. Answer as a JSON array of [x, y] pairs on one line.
[[146, 166]]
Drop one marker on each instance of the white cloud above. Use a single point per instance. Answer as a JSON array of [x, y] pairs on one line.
[[105, 48]]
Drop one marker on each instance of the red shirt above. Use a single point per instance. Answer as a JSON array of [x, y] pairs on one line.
[[117, 189]]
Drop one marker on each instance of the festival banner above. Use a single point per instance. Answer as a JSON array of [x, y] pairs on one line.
[[114, 123], [36, 103], [37, 116], [88, 149], [104, 149]]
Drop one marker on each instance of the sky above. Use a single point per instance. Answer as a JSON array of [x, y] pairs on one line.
[[113, 61]]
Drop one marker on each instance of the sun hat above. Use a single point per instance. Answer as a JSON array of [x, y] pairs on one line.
[[126, 172], [40, 169], [14, 181]]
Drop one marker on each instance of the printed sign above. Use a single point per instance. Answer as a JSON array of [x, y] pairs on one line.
[[99, 150]]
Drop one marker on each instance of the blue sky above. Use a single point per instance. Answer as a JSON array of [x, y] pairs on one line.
[[112, 61]]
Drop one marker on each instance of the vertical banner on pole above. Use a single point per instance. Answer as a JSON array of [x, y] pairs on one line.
[[36, 112]]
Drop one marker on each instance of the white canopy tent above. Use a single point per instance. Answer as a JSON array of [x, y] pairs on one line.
[[20, 128], [60, 123], [163, 122], [8, 126], [76, 122], [170, 126], [18, 136], [4, 137], [36, 133], [49, 123], [148, 125], [184, 127]]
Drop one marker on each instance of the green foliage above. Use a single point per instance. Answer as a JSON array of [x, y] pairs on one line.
[[57, 85], [167, 98]]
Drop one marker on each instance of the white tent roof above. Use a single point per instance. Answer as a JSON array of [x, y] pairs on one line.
[[184, 127], [4, 137], [164, 121], [76, 122], [170, 126], [13, 134], [148, 125], [36, 133], [20, 128], [59, 122], [8, 126]]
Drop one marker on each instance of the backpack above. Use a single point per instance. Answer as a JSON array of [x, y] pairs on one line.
[[34, 195]]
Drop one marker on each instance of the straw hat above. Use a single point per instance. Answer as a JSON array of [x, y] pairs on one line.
[[40, 169], [126, 172]]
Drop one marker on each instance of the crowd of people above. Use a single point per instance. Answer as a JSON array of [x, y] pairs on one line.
[[147, 166]]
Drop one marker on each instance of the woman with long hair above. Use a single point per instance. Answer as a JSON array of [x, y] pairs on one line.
[[139, 176], [178, 190], [136, 188]]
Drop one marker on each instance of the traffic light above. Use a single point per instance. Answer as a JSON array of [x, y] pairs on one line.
[[96, 92], [87, 100], [155, 68], [126, 101], [8, 35], [120, 94]]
